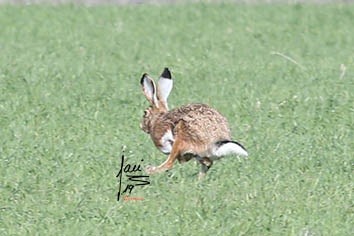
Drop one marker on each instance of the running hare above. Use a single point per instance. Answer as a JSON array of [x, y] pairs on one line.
[[190, 131]]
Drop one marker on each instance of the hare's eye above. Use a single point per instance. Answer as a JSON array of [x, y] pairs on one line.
[[145, 113]]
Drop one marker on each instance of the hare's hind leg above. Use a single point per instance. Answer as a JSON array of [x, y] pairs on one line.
[[206, 164], [186, 157], [177, 148]]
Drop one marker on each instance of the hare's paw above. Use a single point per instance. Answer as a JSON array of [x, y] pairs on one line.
[[151, 169]]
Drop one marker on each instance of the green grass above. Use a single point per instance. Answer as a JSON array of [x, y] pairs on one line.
[[70, 99]]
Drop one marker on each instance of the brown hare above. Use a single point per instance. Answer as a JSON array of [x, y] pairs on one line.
[[190, 131]]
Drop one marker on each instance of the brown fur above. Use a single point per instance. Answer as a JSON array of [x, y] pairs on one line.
[[200, 125], [195, 128]]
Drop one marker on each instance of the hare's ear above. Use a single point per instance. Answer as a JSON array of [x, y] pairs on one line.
[[149, 89], [164, 87]]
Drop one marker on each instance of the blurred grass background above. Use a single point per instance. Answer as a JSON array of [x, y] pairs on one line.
[[70, 98]]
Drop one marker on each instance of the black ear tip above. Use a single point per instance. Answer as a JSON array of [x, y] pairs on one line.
[[142, 78], [166, 73]]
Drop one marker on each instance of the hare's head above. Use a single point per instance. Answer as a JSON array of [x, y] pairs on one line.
[[157, 96]]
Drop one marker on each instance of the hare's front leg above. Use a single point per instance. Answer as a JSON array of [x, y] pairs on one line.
[[177, 148]]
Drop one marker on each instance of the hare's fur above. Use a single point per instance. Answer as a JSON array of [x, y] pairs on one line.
[[190, 131]]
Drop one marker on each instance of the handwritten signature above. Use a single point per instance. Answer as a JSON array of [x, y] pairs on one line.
[[134, 180]]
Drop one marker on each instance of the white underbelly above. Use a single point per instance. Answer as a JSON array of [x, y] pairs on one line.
[[166, 142]]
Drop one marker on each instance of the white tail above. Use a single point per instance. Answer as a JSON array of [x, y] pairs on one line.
[[225, 148]]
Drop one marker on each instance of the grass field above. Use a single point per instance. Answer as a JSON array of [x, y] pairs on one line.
[[70, 98]]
